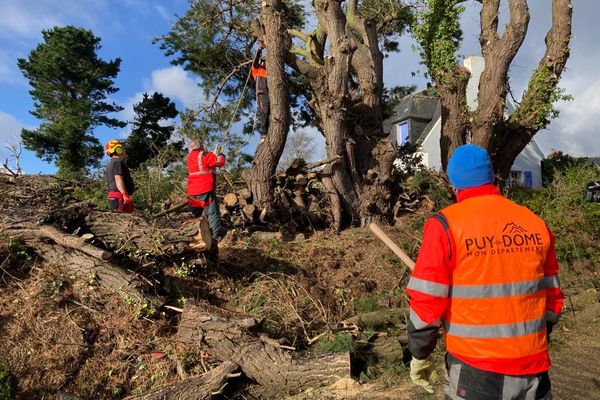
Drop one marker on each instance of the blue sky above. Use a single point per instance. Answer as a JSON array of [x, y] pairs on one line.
[[128, 26]]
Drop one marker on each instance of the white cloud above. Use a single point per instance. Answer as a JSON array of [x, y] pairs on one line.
[[162, 11], [575, 132], [174, 83], [10, 134]]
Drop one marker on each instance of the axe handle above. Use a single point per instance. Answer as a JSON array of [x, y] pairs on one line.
[[393, 246]]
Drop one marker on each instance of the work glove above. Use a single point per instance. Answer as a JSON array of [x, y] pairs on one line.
[[127, 200], [219, 150], [422, 373]]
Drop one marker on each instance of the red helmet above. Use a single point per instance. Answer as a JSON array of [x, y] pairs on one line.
[[114, 147]]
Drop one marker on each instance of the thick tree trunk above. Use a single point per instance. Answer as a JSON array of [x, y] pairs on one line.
[[530, 115], [498, 53], [230, 337], [203, 387], [454, 114], [268, 152]]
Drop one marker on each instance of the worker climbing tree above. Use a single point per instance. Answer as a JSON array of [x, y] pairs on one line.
[[259, 73]]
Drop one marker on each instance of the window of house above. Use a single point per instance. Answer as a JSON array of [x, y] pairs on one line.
[[402, 133], [515, 179]]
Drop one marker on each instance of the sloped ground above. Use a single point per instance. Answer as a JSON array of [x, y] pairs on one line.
[[62, 335]]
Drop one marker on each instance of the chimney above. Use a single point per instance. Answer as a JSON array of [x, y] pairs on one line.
[[476, 65]]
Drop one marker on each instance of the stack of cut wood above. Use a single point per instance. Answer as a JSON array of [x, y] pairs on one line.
[[300, 196]]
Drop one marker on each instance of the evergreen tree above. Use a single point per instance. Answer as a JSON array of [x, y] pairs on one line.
[[69, 88], [148, 137]]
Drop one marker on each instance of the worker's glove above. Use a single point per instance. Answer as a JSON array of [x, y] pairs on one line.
[[219, 150], [127, 200], [261, 45], [422, 373]]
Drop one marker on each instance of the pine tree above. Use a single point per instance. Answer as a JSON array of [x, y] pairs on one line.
[[148, 137], [69, 88]]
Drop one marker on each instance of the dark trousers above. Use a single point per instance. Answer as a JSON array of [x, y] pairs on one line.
[[262, 113], [211, 212], [464, 382]]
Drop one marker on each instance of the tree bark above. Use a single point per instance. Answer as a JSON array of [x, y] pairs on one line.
[[232, 337], [277, 42], [203, 387], [505, 138], [498, 53], [529, 118]]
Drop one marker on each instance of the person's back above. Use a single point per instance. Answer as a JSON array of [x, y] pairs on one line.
[[487, 273], [497, 285]]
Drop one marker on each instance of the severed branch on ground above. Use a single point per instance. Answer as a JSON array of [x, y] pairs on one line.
[[202, 387], [236, 338]]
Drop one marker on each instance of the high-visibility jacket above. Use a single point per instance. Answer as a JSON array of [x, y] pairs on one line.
[[201, 169], [487, 273]]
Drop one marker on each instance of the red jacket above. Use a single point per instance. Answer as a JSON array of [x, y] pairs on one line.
[[461, 276], [201, 169]]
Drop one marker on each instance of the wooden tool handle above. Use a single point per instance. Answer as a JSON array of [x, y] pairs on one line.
[[393, 246]]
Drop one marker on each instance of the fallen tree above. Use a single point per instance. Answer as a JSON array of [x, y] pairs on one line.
[[236, 338]]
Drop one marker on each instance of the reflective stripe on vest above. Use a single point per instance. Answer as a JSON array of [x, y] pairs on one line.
[[497, 297], [201, 170]]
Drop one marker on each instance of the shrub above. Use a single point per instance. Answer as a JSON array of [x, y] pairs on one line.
[[562, 204], [7, 385]]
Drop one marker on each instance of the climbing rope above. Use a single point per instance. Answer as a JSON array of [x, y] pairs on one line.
[[237, 107]]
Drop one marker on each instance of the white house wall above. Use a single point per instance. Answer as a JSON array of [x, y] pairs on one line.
[[530, 159], [430, 148]]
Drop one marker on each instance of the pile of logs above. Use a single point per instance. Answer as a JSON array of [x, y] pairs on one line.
[[301, 196]]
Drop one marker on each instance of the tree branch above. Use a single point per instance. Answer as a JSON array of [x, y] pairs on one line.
[[498, 54], [536, 108]]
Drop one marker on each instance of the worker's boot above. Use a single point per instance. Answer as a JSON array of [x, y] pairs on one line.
[[203, 241]]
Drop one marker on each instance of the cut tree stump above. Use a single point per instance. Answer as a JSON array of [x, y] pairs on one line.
[[233, 337], [202, 387]]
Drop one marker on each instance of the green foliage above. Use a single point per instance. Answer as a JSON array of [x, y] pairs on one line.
[[7, 384], [392, 19], [438, 35], [408, 161], [341, 342], [558, 162], [156, 185], [365, 304], [574, 221], [148, 137], [543, 94], [69, 87], [430, 184]]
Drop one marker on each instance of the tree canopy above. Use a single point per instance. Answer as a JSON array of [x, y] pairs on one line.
[[149, 135], [69, 88], [439, 36], [325, 70]]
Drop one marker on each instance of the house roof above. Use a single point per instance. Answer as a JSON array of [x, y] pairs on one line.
[[419, 106]]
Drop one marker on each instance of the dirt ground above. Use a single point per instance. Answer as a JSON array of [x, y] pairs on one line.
[[60, 335]]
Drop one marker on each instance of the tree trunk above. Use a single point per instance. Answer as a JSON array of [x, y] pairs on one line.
[[230, 337], [268, 152], [202, 387], [454, 114], [535, 110]]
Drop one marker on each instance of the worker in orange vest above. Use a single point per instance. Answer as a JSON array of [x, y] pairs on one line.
[[259, 73], [201, 189], [487, 274]]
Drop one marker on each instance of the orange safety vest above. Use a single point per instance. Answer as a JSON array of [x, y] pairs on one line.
[[497, 297]]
